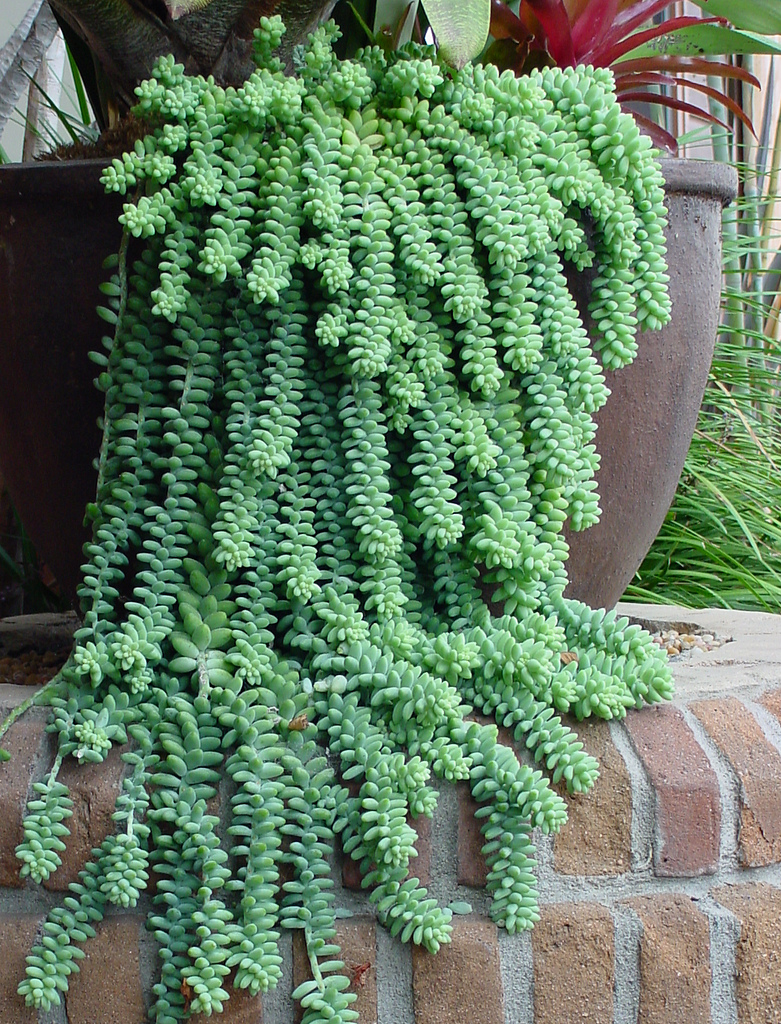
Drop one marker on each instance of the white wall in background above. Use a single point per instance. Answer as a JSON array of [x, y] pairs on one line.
[[11, 14]]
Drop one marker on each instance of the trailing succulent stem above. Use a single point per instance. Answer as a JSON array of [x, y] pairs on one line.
[[347, 389]]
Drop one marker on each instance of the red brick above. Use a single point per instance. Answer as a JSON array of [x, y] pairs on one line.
[[23, 742], [675, 975], [463, 981], [16, 938], [574, 957], [241, 1007], [94, 789], [757, 765], [472, 868], [688, 803], [420, 866], [597, 838], [108, 985], [758, 956], [351, 874], [358, 942], [772, 701]]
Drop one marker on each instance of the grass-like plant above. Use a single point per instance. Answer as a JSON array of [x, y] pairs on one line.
[[721, 541], [720, 544]]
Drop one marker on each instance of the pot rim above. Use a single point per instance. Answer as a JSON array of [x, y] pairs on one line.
[[692, 177], [706, 178], [38, 178]]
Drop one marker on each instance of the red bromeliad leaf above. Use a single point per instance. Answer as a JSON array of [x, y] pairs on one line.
[[695, 65], [661, 139], [575, 8], [644, 78], [624, 24], [524, 30], [632, 18], [605, 55], [596, 19], [673, 104], [505, 24], [552, 16], [634, 15], [625, 83]]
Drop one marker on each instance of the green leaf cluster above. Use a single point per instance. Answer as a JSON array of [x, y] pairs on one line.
[[349, 404]]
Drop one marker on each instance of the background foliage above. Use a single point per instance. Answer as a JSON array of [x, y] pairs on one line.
[[721, 541]]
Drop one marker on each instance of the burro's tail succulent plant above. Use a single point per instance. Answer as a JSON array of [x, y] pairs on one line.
[[349, 404]]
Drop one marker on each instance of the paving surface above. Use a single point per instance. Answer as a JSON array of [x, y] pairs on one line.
[[751, 659]]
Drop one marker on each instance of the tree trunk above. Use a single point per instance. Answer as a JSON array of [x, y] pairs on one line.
[[124, 38]]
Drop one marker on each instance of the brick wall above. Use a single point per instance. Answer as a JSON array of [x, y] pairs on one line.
[[660, 899]]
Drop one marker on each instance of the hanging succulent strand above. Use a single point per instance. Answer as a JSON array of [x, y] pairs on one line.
[[348, 394]]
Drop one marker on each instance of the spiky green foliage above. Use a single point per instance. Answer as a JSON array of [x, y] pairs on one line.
[[348, 389]]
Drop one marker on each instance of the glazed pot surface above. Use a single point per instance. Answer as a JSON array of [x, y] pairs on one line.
[[56, 228]]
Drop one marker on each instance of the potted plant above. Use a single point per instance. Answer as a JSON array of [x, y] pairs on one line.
[[346, 387], [640, 467]]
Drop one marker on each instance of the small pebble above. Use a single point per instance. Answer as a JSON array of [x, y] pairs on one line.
[[676, 644]]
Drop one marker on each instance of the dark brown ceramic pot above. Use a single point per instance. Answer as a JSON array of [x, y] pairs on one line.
[[56, 227], [645, 429]]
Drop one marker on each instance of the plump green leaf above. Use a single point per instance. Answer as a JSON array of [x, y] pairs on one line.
[[461, 28], [460, 907], [183, 645]]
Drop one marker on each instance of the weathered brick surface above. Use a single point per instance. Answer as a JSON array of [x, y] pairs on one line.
[[574, 958], [94, 789], [420, 866], [358, 942], [597, 839], [351, 873], [23, 742], [758, 956], [16, 937], [772, 701], [241, 1008], [675, 974], [758, 766], [688, 804], [108, 985], [463, 981], [472, 869]]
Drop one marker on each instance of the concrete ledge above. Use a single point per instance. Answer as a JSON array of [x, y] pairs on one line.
[[660, 898], [752, 658]]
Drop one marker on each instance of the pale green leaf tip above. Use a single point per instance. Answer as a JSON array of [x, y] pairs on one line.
[[461, 29], [460, 907]]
